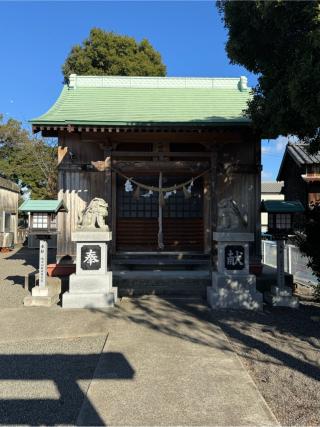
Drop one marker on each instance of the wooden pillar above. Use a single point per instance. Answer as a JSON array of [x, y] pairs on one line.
[[214, 189], [257, 231], [207, 223], [108, 183], [214, 196], [114, 210], [61, 219]]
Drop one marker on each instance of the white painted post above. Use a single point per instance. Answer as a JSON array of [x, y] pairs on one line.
[[289, 259], [43, 261], [280, 264], [264, 251]]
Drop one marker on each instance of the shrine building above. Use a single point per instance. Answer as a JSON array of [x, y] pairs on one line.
[[176, 160]]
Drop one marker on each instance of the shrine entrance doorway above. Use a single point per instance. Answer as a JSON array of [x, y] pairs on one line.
[[138, 224]]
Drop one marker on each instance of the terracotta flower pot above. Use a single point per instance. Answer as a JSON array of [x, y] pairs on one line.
[[61, 269]]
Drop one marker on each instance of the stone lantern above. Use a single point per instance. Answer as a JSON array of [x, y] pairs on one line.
[[280, 225]]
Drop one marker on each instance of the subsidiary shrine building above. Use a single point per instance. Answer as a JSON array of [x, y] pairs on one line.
[[175, 159]]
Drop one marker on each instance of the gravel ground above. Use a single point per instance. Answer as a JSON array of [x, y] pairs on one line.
[[44, 382], [14, 265], [280, 348]]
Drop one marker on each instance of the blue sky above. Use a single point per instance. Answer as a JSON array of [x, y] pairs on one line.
[[37, 36]]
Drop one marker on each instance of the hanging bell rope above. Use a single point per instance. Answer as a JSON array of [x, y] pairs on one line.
[[161, 204], [136, 193]]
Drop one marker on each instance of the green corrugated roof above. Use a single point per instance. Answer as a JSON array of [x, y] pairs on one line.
[[43, 206], [282, 206], [130, 101]]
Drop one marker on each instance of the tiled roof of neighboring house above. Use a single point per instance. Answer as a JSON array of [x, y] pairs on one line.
[[9, 185], [53, 206], [299, 153], [274, 206], [138, 101], [271, 187]]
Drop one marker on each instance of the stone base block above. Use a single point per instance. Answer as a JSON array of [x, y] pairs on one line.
[[285, 292], [45, 291], [90, 283], [224, 298], [114, 290], [281, 298], [86, 300], [234, 291], [234, 282], [41, 301]]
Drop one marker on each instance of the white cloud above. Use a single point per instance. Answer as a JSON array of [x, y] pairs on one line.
[[276, 147], [265, 149], [266, 175], [281, 143]]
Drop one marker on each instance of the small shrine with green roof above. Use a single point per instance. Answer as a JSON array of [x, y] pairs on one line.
[[42, 215], [175, 158]]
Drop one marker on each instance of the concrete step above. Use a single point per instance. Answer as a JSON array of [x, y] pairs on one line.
[[163, 262], [178, 282]]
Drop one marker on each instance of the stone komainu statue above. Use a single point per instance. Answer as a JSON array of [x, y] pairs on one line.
[[94, 215], [230, 218]]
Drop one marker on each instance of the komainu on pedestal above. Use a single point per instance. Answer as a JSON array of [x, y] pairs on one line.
[[91, 285]]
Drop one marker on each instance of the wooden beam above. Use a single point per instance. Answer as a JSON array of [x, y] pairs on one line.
[[154, 167], [240, 168], [130, 154]]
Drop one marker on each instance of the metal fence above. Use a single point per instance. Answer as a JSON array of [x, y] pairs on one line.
[[294, 262]]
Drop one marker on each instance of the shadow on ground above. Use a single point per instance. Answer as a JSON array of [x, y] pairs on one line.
[[280, 346], [289, 324], [28, 256], [65, 372]]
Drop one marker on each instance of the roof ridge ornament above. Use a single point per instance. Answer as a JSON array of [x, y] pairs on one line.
[[72, 81], [155, 82], [243, 83]]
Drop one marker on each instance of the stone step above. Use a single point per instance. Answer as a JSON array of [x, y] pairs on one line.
[[155, 261], [158, 277]]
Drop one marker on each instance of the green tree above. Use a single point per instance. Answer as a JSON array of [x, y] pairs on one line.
[[308, 241], [30, 162], [280, 42], [107, 53]]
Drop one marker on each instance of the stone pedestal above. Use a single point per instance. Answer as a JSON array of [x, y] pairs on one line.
[[232, 284], [44, 296], [91, 285], [44, 293], [281, 295]]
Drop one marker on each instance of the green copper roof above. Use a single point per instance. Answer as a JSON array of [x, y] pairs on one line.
[[281, 206], [43, 206], [129, 101]]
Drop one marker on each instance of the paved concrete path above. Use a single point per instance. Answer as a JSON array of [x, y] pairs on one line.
[[167, 365], [149, 361]]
